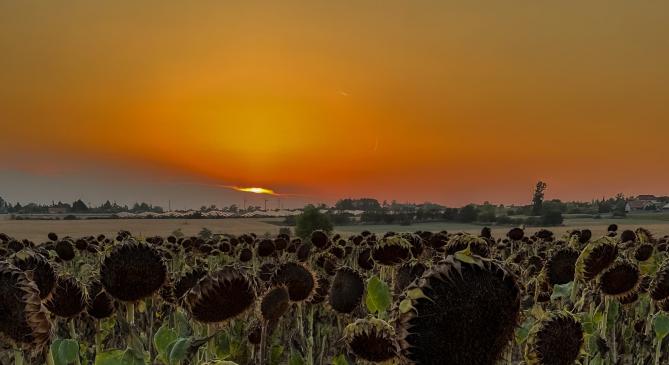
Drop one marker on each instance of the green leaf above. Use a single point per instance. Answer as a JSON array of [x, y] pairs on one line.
[[464, 257], [405, 306], [378, 297], [179, 350], [163, 338], [340, 360], [68, 351], [276, 354], [661, 325], [111, 357], [296, 359], [562, 291], [523, 331]]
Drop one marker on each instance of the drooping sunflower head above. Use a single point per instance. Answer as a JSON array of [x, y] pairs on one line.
[[560, 266], [133, 271], [42, 272], [556, 340], [373, 341], [477, 245], [68, 298], [391, 251], [24, 322], [300, 281], [188, 281], [275, 303], [659, 286], [346, 290], [460, 312], [643, 252], [100, 305], [407, 274], [596, 257], [221, 296]]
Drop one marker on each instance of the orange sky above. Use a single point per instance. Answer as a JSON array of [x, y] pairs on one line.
[[449, 101]]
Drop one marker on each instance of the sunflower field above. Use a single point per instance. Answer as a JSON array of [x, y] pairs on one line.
[[395, 298]]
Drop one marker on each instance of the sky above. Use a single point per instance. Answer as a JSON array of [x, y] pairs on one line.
[[444, 101]]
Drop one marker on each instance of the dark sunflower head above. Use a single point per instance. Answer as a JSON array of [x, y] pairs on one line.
[[265, 248], [365, 260], [24, 322], [299, 280], [460, 312], [100, 305], [516, 234], [556, 340], [585, 236], [596, 257], [303, 252], [659, 286], [42, 273], [320, 239], [643, 252], [559, 268], [627, 236], [620, 280], [407, 274], [68, 298], [221, 296], [372, 341], [65, 250], [391, 251], [275, 303], [346, 290], [133, 271], [245, 254], [477, 245], [187, 281]]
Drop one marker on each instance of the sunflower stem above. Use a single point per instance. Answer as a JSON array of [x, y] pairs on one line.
[[263, 343], [310, 336], [658, 353], [98, 338], [130, 315], [18, 357]]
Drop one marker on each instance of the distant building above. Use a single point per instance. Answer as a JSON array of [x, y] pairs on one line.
[[57, 210], [666, 207]]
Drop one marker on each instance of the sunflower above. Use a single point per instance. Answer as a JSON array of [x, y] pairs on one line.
[[372, 341], [556, 340], [133, 271], [460, 312], [220, 296]]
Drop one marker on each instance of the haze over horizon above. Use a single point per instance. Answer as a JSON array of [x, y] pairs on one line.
[[415, 101]]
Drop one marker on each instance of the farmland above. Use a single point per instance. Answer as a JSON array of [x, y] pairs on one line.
[[36, 230]]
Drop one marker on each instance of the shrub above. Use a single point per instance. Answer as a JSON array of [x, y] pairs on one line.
[[311, 220]]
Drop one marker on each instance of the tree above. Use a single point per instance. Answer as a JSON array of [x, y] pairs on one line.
[[538, 198], [79, 206], [311, 220], [552, 218], [468, 214]]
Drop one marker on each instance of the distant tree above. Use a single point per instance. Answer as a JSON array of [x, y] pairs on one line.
[[79, 206], [551, 218], [311, 220], [468, 214], [538, 197]]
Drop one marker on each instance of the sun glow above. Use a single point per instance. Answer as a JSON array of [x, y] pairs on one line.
[[255, 190]]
